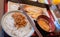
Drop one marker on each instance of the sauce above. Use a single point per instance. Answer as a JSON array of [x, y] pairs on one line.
[[44, 24]]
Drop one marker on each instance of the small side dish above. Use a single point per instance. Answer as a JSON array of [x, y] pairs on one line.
[[46, 23]]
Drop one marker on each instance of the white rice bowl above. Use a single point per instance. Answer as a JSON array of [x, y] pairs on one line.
[[8, 26]]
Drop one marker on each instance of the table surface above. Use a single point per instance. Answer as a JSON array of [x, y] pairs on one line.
[[1, 13]]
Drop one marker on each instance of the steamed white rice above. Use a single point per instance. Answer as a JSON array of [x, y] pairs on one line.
[[8, 25]]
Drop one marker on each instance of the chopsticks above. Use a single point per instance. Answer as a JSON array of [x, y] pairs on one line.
[[31, 21], [33, 24]]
